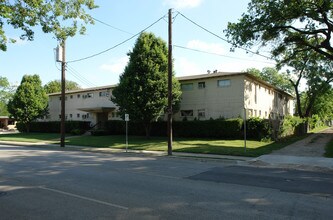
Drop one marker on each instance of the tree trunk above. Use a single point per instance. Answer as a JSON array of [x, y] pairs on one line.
[[147, 129], [27, 127], [298, 98]]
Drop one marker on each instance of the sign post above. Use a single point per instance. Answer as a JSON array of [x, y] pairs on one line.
[[126, 120]]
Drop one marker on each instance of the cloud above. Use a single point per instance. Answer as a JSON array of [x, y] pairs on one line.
[[180, 4], [184, 67], [116, 66], [207, 47]]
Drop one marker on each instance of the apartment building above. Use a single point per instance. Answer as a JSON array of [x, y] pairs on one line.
[[206, 96], [229, 95]]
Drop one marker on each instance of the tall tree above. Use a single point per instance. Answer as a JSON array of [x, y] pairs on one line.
[[6, 91], [288, 27], [55, 86], [272, 76], [143, 87], [318, 75], [60, 17], [29, 101]]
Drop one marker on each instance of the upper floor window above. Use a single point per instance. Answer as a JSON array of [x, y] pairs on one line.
[[104, 94], [201, 85], [187, 86], [223, 83]]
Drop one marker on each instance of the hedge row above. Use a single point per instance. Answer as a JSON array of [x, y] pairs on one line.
[[231, 128], [77, 127]]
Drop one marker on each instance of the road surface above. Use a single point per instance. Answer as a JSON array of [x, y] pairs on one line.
[[51, 183]]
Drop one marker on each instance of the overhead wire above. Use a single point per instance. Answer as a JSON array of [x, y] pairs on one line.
[[117, 45], [216, 35], [217, 54], [80, 77], [113, 27]]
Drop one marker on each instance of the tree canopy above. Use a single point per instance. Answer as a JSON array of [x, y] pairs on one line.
[[6, 92], [288, 27], [55, 86], [60, 17], [143, 87], [29, 101], [273, 77]]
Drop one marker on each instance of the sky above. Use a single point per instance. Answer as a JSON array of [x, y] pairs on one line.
[[120, 20]]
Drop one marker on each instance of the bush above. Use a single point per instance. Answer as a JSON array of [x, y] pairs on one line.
[[54, 126], [258, 128], [230, 128]]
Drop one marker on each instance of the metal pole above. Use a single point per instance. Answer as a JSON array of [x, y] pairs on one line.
[[170, 86], [126, 136], [245, 130], [63, 82]]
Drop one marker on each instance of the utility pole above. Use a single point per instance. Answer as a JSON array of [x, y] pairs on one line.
[[170, 86], [63, 82]]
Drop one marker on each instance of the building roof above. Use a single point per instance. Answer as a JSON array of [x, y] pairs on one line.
[[187, 78], [85, 90]]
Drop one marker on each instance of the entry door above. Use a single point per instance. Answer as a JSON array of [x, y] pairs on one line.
[[101, 119]]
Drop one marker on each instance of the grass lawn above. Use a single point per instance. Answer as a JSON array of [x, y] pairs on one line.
[[30, 137], [206, 146], [193, 145]]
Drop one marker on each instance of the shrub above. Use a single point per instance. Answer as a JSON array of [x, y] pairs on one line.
[[258, 128], [54, 126]]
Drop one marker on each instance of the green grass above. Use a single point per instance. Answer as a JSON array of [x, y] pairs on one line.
[[329, 149], [30, 137], [318, 129], [205, 146], [188, 145]]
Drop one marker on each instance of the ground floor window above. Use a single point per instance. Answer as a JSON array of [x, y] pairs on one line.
[[185, 113]]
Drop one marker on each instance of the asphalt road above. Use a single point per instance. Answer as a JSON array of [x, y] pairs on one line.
[[60, 184]]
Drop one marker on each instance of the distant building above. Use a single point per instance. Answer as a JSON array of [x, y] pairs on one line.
[[213, 95], [7, 123]]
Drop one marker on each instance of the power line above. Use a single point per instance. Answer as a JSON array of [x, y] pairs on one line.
[[201, 51], [117, 45], [79, 77], [113, 27], [216, 35]]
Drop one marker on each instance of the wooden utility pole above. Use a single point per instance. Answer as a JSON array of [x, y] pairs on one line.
[[170, 86], [63, 82]]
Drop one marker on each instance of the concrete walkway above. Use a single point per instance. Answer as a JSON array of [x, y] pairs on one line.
[[305, 154]]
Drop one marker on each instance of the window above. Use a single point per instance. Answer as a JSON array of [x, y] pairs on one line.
[[71, 96], [185, 113], [223, 83], [70, 115], [259, 112], [104, 94], [87, 115], [90, 95], [265, 114], [201, 85], [255, 113], [201, 113], [59, 116], [187, 86], [78, 115], [78, 96]]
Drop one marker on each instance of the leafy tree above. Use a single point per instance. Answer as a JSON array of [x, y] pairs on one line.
[[55, 86], [143, 87], [29, 101], [289, 27], [323, 106], [272, 76], [51, 15], [318, 75], [6, 91]]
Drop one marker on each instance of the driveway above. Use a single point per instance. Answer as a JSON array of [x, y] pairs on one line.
[[306, 154]]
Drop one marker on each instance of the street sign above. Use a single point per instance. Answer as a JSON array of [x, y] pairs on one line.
[[126, 117]]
